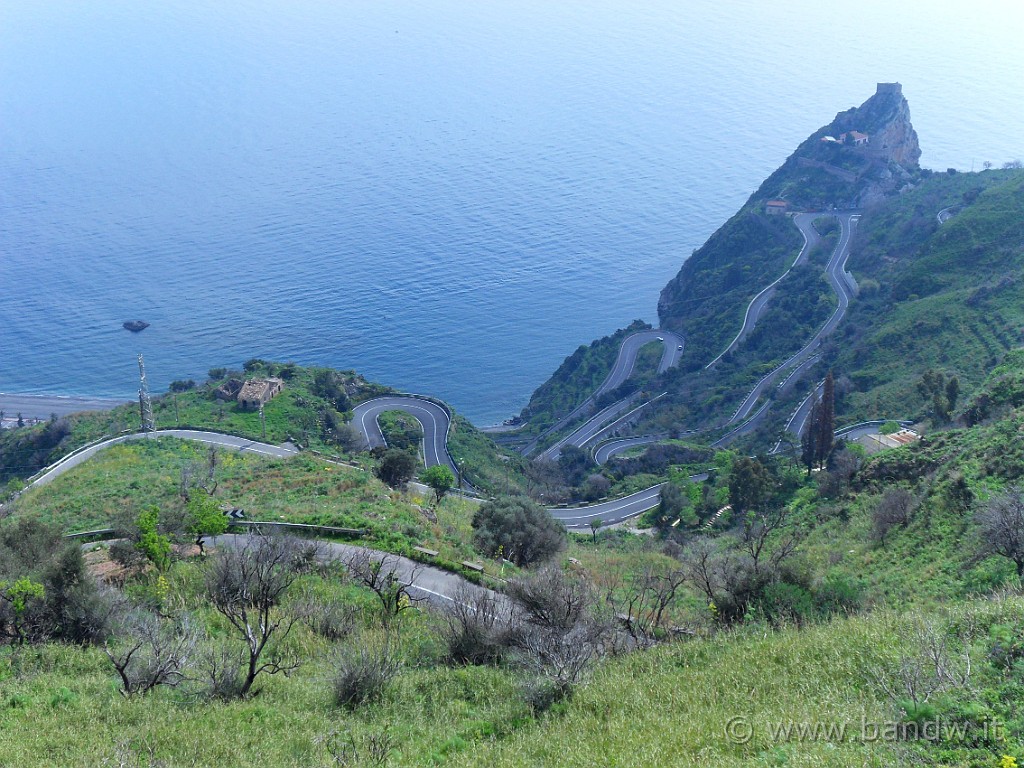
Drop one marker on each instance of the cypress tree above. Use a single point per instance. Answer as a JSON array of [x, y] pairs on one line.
[[827, 423], [809, 438]]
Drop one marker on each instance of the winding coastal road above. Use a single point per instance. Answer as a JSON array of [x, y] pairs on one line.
[[757, 306], [435, 420], [843, 285], [613, 511], [625, 362]]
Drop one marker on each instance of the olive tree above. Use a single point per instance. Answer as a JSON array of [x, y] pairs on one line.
[[520, 529], [396, 468]]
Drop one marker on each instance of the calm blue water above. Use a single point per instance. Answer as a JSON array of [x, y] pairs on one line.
[[447, 196]]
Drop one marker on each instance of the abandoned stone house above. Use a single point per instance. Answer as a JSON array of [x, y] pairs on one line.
[[256, 392], [250, 394]]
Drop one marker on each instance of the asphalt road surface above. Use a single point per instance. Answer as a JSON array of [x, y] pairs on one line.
[[630, 349], [210, 438], [615, 447], [435, 420], [589, 429], [426, 583]]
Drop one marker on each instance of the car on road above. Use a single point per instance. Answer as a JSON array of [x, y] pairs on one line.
[[680, 347], [661, 338]]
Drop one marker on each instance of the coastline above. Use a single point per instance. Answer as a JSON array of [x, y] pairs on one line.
[[35, 408]]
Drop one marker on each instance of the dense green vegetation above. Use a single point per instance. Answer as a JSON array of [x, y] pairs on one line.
[[869, 613], [313, 411], [113, 487], [820, 593], [706, 301]]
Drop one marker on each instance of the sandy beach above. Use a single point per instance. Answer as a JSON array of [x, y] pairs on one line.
[[40, 407]]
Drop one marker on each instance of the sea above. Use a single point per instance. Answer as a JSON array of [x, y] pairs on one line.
[[444, 195]]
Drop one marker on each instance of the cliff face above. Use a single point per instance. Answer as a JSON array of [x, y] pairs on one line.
[[885, 118]]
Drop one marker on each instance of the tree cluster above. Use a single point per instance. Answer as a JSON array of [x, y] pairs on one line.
[[941, 393]]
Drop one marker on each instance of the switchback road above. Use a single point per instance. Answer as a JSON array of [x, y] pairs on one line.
[[625, 362], [756, 308], [843, 286], [433, 418]]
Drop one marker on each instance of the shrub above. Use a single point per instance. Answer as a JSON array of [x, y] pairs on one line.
[[362, 673], [523, 530], [329, 618], [76, 610], [894, 509], [154, 545], [475, 627], [783, 602], [151, 653], [25, 543]]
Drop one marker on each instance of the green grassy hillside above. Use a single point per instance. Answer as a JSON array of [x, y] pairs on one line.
[[947, 297], [832, 662]]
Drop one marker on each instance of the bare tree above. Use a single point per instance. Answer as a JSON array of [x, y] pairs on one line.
[[152, 653], [556, 631], [769, 524], [203, 476], [723, 575], [651, 592], [842, 467], [247, 585], [893, 509], [1001, 527], [562, 658], [551, 598], [934, 661], [379, 574]]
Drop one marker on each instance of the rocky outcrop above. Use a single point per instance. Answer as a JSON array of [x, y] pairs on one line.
[[885, 118]]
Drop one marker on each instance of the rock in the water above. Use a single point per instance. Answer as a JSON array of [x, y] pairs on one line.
[[135, 325]]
